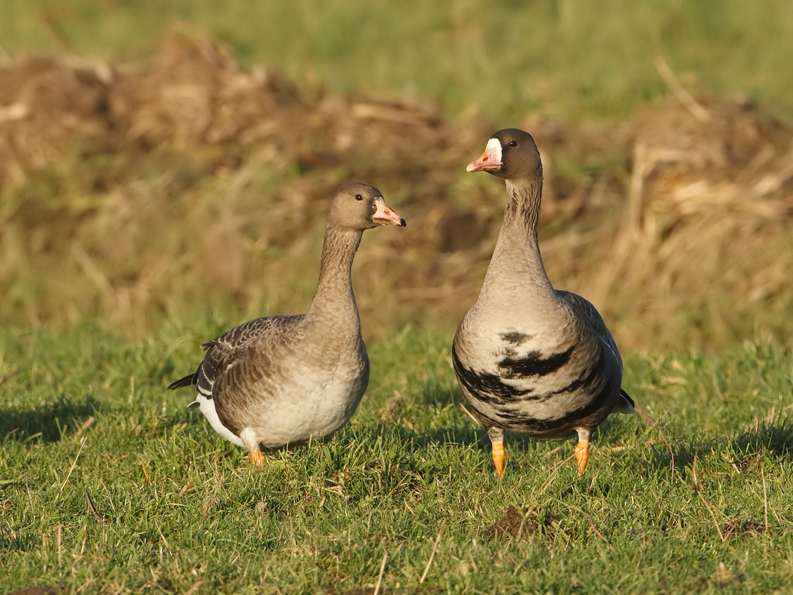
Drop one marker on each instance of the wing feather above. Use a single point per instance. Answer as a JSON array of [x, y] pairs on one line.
[[227, 350]]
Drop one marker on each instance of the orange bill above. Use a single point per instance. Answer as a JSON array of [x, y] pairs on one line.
[[384, 215]]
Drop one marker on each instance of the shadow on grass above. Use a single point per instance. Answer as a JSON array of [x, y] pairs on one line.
[[20, 542], [441, 394], [775, 439], [467, 436], [49, 423]]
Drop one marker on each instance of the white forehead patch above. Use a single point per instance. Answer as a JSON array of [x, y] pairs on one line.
[[494, 147]]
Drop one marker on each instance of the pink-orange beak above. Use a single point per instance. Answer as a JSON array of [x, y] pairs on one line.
[[384, 215], [490, 160]]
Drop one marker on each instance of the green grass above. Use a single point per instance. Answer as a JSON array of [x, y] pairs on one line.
[[176, 504], [572, 58], [182, 505]]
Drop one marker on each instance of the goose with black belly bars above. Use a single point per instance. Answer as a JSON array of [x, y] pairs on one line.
[[530, 358]]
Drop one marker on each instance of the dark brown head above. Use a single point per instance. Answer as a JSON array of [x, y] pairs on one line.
[[510, 154], [358, 206]]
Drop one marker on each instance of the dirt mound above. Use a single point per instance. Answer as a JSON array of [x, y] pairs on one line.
[[133, 191]]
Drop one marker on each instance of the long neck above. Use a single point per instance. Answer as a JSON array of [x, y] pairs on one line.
[[516, 271], [333, 305]]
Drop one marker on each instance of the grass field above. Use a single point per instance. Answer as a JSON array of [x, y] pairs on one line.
[[571, 58], [178, 508], [147, 178]]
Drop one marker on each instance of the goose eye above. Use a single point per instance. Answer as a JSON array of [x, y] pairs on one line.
[[513, 143], [358, 197]]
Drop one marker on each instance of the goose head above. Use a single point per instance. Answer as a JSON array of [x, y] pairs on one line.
[[358, 206], [510, 154]]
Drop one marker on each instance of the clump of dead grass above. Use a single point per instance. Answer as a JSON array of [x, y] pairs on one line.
[[707, 224], [129, 192]]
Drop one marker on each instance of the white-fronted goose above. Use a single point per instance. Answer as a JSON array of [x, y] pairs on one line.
[[529, 358], [285, 380]]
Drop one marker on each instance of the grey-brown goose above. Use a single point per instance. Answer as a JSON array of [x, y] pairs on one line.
[[285, 380], [529, 358]]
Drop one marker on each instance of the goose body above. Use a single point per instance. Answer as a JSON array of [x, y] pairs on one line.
[[529, 358], [285, 380]]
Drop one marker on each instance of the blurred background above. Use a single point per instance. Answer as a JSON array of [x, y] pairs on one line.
[[168, 160]]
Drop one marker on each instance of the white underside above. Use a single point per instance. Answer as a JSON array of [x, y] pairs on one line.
[[304, 413], [293, 418], [623, 406], [207, 407]]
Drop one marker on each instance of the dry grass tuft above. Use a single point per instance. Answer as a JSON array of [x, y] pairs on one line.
[[132, 192], [706, 232]]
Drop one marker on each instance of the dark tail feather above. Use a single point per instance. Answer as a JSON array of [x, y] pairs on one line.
[[182, 382], [627, 398]]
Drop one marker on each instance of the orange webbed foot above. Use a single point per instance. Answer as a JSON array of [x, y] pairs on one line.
[[256, 458]]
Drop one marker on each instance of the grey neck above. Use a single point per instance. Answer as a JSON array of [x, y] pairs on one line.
[[333, 305], [516, 271]]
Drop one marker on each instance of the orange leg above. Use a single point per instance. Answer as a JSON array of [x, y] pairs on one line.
[[499, 456], [582, 449], [499, 453], [256, 458]]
